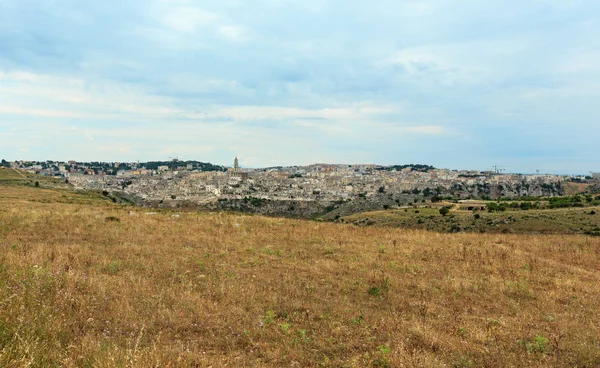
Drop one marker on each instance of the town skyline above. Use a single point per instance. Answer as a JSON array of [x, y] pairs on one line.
[[494, 168], [297, 190]]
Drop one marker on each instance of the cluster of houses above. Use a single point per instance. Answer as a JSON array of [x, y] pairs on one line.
[[318, 182]]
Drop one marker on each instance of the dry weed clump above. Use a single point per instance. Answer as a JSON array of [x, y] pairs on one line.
[[79, 288]]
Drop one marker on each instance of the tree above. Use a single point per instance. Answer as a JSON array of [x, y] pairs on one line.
[[444, 211]]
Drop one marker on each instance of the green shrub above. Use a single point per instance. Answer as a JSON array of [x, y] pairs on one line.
[[538, 345]]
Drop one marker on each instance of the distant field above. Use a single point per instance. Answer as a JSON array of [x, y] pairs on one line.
[[87, 283], [18, 177], [14, 185], [584, 220], [7, 176]]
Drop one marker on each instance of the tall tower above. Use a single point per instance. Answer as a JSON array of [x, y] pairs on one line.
[[236, 164]]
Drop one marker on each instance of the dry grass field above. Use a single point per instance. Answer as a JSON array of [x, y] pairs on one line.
[[87, 283]]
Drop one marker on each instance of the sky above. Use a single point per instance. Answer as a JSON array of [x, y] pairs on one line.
[[454, 84]]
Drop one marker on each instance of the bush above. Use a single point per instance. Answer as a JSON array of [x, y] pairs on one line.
[[455, 229], [444, 211], [496, 207], [257, 202], [525, 206]]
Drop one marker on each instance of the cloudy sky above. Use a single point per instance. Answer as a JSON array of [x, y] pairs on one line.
[[457, 84]]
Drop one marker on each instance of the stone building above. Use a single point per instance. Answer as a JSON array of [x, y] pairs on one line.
[[236, 173]]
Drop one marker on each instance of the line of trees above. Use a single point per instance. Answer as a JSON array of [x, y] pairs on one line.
[[415, 167]]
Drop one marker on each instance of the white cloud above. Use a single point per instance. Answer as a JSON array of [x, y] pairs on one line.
[[580, 62], [420, 129], [187, 19], [61, 117], [234, 33], [186, 25]]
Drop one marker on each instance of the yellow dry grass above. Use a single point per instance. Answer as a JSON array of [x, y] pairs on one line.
[[98, 285]]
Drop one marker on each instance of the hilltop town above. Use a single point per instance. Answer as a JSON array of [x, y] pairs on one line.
[[295, 190]]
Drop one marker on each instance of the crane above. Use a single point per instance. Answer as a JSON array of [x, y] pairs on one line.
[[499, 169]]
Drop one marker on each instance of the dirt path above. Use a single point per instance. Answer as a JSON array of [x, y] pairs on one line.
[[573, 268], [453, 206], [20, 173]]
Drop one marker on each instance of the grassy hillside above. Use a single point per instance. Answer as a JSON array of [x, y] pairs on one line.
[[18, 186], [571, 188], [584, 220], [87, 283], [18, 177]]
